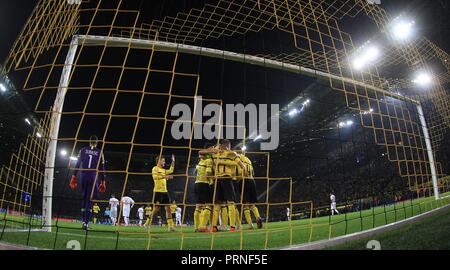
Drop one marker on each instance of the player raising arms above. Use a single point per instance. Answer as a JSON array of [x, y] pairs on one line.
[[249, 197], [89, 161], [161, 195], [225, 162]]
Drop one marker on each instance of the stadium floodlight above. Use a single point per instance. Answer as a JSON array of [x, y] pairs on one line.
[[63, 153], [39, 135], [293, 112], [368, 56], [372, 54], [73, 158], [367, 112], [358, 63], [423, 79], [306, 102], [402, 29], [28, 121], [2, 87], [348, 123]]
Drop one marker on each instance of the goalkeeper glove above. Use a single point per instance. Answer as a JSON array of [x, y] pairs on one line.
[[73, 182], [102, 187]]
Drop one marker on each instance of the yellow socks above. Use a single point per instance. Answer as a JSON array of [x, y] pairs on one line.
[[170, 223], [224, 216], [248, 217], [238, 217], [148, 222], [204, 217], [197, 214], [232, 214], [215, 217], [255, 212]]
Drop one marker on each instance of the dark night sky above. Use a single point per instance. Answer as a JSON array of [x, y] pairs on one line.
[[432, 16]]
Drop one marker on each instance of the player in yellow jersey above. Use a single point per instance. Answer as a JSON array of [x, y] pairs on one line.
[[225, 162], [95, 211], [203, 192], [161, 197], [246, 184], [173, 210], [148, 214]]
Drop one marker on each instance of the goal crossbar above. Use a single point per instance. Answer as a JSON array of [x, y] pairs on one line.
[[92, 40]]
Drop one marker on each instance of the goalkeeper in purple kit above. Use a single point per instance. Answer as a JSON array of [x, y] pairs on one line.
[[88, 164]]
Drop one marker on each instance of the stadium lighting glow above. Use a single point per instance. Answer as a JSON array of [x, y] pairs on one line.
[[367, 112], [39, 135], [423, 79], [370, 55], [358, 64], [27, 121], [349, 123], [402, 30], [2, 87], [63, 153], [73, 158], [306, 102], [293, 112]]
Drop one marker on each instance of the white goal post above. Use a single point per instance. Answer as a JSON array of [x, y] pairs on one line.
[[188, 49]]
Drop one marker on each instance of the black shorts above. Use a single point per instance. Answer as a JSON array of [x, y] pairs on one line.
[[249, 193], [237, 190], [203, 193], [162, 198], [225, 190]]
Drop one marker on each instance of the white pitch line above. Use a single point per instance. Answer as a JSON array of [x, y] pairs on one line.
[[22, 230], [321, 244]]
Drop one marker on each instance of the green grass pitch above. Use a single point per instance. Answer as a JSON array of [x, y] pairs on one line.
[[431, 233], [273, 235]]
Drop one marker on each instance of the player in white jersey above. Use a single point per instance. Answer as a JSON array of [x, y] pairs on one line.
[[113, 203], [333, 204], [141, 215], [288, 214], [127, 203], [178, 216]]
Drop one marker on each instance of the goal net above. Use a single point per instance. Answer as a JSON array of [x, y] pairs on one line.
[[125, 70]]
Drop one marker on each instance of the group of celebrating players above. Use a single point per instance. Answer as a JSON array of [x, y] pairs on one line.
[[223, 178]]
